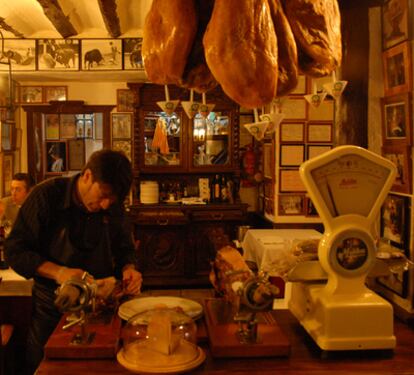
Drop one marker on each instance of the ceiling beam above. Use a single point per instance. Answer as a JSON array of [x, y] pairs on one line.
[[54, 12], [6, 27], [110, 17]]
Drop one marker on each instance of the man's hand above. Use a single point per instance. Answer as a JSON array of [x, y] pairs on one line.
[[131, 280], [64, 274]]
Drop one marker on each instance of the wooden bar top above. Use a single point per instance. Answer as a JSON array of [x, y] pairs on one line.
[[305, 358]]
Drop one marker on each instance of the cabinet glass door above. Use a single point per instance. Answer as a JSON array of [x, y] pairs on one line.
[[211, 140], [162, 139]]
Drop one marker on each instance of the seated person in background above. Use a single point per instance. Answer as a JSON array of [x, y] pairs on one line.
[[21, 185], [69, 226]]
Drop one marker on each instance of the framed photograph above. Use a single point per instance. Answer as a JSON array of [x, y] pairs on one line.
[[101, 54], [318, 132], [125, 100], [67, 128], [124, 146], [292, 155], [397, 69], [292, 132], [395, 220], [58, 54], [31, 94], [396, 119], [55, 157], [295, 108], [121, 125], [22, 54], [397, 282], [310, 209], [291, 204], [290, 181], [6, 130], [76, 154], [51, 122], [268, 160], [55, 93], [316, 150], [132, 54], [395, 22], [300, 88], [7, 167], [401, 157], [325, 112]]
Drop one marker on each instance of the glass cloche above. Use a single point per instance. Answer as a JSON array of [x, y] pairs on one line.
[[160, 340]]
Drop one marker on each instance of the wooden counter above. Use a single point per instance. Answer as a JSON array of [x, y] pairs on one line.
[[305, 358]]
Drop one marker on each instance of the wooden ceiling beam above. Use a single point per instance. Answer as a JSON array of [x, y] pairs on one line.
[[6, 27], [54, 12], [110, 17]]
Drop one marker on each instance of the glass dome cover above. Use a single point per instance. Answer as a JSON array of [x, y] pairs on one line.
[[161, 340]]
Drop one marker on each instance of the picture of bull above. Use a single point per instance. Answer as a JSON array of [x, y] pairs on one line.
[[93, 56], [64, 56], [135, 58]]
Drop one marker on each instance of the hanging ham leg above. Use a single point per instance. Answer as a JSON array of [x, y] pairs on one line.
[[241, 51], [169, 31]]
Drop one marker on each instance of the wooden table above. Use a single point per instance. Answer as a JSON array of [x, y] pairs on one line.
[[305, 358]]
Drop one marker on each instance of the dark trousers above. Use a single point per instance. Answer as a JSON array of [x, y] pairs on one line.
[[45, 318]]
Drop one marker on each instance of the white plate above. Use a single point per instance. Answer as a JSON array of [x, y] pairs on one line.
[[140, 304]]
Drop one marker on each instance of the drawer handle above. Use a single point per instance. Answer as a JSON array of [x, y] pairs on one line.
[[217, 216], [162, 222]]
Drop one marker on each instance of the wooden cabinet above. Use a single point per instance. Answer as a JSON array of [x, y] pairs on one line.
[[177, 241], [69, 130]]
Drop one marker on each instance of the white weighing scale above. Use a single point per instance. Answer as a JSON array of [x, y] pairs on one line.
[[347, 186]]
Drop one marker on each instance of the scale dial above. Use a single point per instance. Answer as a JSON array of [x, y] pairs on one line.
[[350, 184]]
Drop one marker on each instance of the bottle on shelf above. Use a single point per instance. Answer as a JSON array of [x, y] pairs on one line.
[[224, 189], [216, 188]]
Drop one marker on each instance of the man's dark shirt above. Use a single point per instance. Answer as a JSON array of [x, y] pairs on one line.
[[50, 206]]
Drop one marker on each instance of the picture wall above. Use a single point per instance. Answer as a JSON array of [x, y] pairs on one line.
[[73, 54]]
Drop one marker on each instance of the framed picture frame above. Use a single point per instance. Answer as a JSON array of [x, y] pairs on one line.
[[397, 69], [267, 160], [31, 94], [291, 204], [121, 125], [76, 154], [52, 126], [124, 146], [290, 181], [295, 108], [292, 132], [301, 86], [396, 119], [101, 54], [56, 154], [292, 155], [132, 56], [125, 100], [58, 54], [55, 93], [67, 128], [401, 157], [22, 54], [6, 132], [316, 150], [325, 111], [319, 132], [395, 220], [395, 22], [310, 209], [397, 282], [7, 167]]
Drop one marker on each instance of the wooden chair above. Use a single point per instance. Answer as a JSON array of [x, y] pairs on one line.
[[6, 332]]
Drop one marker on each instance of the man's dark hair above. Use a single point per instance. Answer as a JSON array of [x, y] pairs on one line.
[[27, 178], [112, 168]]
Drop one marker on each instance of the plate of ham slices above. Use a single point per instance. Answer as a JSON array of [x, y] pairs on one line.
[[138, 305]]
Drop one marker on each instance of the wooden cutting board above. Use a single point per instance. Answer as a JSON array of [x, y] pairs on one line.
[[222, 332], [105, 333]]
